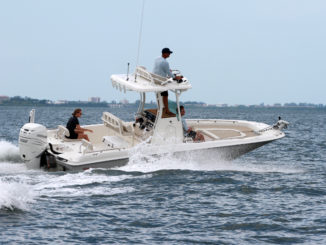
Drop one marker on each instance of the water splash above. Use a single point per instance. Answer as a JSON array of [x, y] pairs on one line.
[[15, 195], [198, 161], [9, 152], [12, 168], [87, 183]]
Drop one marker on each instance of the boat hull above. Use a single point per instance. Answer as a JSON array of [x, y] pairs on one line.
[[219, 153], [101, 164], [228, 152]]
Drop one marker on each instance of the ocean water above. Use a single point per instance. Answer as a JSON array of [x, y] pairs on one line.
[[273, 195]]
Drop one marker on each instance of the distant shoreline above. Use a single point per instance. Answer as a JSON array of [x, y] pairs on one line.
[[108, 105], [26, 101]]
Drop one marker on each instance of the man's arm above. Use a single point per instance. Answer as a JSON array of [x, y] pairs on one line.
[[79, 129], [167, 70]]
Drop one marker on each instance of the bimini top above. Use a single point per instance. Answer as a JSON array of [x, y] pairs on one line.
[[145, 81]]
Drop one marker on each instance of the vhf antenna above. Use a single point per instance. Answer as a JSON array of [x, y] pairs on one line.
[[128, 71], [140, 34]]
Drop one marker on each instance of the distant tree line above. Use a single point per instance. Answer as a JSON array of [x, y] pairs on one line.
[[27, 101], [17, 100]]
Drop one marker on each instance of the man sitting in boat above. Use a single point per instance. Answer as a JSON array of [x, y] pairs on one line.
[[162, 68], [75, 131], [188, 132]]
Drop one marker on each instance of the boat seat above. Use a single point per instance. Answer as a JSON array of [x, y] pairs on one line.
[[117, 124], [211, 135], [62, 132], [115, 142]]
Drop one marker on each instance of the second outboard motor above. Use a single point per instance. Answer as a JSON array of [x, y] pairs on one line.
[[281, 124]]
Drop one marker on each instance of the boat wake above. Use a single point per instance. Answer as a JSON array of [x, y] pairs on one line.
[[81, 184], [21, 187], [20, 191], [9, 152], [15, 195]]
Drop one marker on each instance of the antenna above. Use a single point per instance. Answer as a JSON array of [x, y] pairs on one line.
[[140, 34], [31, 116], [128, 71]]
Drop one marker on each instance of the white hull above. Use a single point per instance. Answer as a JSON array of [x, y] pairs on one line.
[[220, 153], [78, 157]]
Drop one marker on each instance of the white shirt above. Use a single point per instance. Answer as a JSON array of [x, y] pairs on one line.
[[162, 68], [184, 126]]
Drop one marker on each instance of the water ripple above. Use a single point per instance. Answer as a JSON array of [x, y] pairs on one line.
[[274, 195]]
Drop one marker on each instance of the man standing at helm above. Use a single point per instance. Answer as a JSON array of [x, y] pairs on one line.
[[162, 68]]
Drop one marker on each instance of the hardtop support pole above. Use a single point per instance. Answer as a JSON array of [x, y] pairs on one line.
[[177, 95]]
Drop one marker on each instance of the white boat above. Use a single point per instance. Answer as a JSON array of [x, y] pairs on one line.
[[114, 141]]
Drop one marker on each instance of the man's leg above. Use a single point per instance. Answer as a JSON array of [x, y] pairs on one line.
[[166, 103], [199, 137], [83, 136], [166, 106]]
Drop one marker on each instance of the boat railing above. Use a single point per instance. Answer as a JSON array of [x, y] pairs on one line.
[[117, 124], [151, 77]]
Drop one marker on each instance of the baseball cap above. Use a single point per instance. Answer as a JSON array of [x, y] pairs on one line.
[[166, 50]]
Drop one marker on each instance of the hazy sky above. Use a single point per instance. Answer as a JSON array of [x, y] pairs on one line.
[[232, 51]]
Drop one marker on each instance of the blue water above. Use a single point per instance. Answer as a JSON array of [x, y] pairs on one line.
[[273, 195]]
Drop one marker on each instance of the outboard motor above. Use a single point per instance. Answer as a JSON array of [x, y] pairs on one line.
[[32, 143], [281, 124]]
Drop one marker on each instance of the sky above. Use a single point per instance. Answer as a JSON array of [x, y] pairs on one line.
[[234, 51]]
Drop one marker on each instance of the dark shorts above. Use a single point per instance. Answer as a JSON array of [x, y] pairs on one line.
[[165, 93], [192, 134], [72, 136]]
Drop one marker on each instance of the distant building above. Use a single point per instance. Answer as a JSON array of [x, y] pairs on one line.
[[114, 105], [3, 98], [290, 104], [221, 105], [60, 102], [240, 106], [94, 99], [124, 102]]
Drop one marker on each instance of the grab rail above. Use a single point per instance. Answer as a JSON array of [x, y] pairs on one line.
[[116, 123], [112, 120], [151, 77]]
